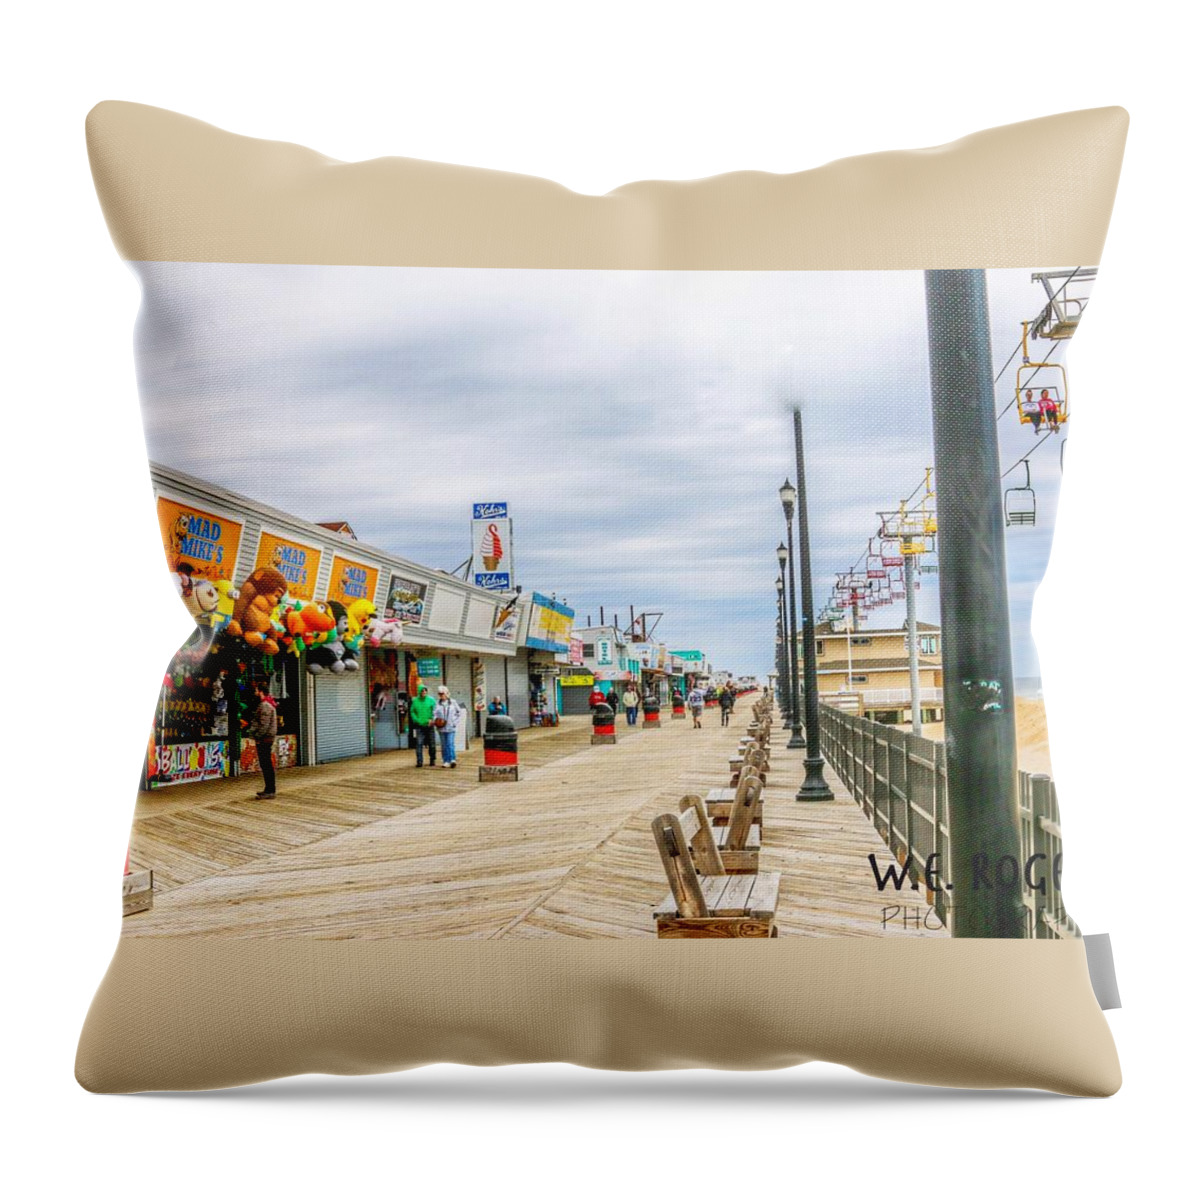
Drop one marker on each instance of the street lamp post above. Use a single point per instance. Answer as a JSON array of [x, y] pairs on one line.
[[780, 652], [787, 496], [814, 786]]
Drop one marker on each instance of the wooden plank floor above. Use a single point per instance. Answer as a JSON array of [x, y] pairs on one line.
[[374, 848], [193, 831]]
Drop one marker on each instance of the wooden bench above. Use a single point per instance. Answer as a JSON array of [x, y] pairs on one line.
[[734, 846], [721, 803], [754, 759], [717, 905]]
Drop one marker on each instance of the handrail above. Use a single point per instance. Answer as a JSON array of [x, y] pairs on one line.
[[900, 783]]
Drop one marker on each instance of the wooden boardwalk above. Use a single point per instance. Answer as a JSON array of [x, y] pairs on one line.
[[374, 848]]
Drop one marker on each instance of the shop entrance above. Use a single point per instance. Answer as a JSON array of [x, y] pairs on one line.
[[388, 711]]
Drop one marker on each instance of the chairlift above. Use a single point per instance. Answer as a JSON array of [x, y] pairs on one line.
[[875, 567], [1020, 503], [1041, 390]]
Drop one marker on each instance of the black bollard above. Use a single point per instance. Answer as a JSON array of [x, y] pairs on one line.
[[604, 730], [499, 750]]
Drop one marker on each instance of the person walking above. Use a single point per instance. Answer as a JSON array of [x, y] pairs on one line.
[[420, 714], [263, 727], [447, 714], [597, 697], [696, 704], [631, 704], [727, 700]]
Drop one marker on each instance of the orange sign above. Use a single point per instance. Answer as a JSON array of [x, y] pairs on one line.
[[295, 561], [198, 543], [350, 581]]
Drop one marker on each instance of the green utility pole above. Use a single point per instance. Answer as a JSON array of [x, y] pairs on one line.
[[981, 737]]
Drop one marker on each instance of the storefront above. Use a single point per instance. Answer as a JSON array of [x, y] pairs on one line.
[[532, 674], [341, 634], [543, 688], [191, 738], [575, 691]]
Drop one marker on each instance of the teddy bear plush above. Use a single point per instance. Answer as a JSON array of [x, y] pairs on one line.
[[257, 600]]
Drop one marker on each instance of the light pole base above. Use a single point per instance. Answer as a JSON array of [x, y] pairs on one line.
[[814, 786], [796, 741]]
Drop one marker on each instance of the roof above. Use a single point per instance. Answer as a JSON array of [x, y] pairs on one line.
[[342, 527], [826, 629]]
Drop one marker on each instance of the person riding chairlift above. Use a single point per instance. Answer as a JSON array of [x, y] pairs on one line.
[[1032, 409], [1048, 407]]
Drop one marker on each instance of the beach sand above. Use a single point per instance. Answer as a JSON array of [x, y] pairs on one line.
[[1033, 744]]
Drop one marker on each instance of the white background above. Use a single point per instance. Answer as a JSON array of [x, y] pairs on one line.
[[592, 95]]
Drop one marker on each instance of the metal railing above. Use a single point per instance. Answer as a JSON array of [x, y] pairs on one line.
[[899, 782], [871, 696]]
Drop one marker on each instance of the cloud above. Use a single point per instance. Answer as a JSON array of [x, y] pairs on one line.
[[638, 423]]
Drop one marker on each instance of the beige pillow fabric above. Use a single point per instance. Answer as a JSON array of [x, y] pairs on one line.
[[457, 469]]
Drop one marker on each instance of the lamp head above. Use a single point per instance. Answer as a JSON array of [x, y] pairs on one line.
[[787, 497], [782, 555]]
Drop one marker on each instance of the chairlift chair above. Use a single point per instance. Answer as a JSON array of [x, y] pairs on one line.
[[1036, 378], [1020, 503]]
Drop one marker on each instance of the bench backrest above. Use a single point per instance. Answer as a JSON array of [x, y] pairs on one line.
[[741, 815], [679, 838]]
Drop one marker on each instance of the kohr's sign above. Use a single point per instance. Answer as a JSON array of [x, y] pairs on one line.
[[491, 547]]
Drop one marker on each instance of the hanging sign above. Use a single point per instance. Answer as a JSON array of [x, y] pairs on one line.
[[504, 626], [296, 562], [550, 625], [429, 668], [350, 581], [575, 652], [405, 600], [491, 547]]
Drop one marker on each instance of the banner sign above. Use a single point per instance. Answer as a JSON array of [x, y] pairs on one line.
[[504, 627], [491, 547], [577, 680], [350, 581], [690, 655], [575, 652], [652, 656], [429, 668], [284, 755], [187, 762], [197, 543], [295, 561], [550, 625], [405, 600], [604, 652]]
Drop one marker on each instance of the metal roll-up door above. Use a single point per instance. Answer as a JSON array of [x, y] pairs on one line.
[[575, 700], [518, 689], [341, 715]]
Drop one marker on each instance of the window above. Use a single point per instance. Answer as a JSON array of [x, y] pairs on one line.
[[859, 678], [820, 646], [928, 643], [589, 649], [860, 641]]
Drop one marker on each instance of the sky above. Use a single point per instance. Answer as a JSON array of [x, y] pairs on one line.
[[636, 423]]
